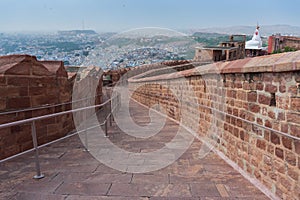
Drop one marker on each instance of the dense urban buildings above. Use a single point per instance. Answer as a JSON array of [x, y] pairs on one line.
[[279, 43]]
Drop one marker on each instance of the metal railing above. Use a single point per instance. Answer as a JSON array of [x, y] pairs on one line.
[[47, 106], [114, 104]]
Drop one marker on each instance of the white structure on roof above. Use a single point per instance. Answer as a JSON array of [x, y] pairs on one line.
[[255, 42]]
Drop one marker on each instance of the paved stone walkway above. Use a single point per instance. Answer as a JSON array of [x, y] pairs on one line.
[[71, 173]]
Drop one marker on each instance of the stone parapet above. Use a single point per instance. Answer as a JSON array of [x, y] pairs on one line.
[[249, 109], [26, 86]]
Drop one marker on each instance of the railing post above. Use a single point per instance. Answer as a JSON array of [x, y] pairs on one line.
[[86, 146], [105, 127], [38, 175], [110, 112]]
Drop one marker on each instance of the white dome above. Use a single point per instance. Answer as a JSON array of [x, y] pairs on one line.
[[255, 42]]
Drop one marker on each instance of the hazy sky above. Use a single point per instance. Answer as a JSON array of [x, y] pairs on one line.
[[120, 15]]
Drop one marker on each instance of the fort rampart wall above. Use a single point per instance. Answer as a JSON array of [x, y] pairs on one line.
[[248, 110], [30, 88]]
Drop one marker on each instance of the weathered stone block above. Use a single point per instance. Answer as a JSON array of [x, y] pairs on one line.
[[22, 68], [295, 104], [40, 70], [275, 139], [293, 117], [282, 88], [279, 166], [284, 128], [287, 142], [271, 88], [2, 103], [264, 99], [279, 153], [18, 81], [36, 91], [293, 90], [295, 130], [2, 80], [252, 96], [267, 77], [261, 144], [254, 108], [9, 92], [18, 102], [297, 148], [259, 86], [268, 124], [42, 100], [53, 128], [285, 182], [290, 158]]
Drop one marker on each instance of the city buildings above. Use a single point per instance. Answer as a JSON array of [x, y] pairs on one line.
[[228, 50], [278, 43]]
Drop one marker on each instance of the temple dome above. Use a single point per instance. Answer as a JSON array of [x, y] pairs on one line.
[[255, 42]]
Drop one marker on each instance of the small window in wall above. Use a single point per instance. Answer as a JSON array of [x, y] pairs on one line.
[[273, 99]]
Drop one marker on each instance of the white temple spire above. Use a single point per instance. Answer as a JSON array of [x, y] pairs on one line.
[[255, 42]]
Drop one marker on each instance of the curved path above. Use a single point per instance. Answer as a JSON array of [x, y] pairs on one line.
[[71, 173]]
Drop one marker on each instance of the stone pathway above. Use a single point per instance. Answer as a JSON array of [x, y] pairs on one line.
[[71, 173]]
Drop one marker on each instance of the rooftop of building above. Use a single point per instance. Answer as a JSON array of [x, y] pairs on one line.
[[219, 48]]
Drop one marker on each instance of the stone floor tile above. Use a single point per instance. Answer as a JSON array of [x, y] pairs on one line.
[[33, 196], [72, 173], [204, 190], [82, 188]]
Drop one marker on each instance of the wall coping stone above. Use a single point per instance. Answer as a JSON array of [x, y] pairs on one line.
[[29, 65], [283, 62]]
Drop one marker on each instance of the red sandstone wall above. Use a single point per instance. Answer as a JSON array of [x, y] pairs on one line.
[[88, 84], [284, 41], [133, 71], [263, 90], [26, 83]]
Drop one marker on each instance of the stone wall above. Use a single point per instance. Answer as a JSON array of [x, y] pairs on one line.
[[26, 83], [87, 84], [248, 109], [278, 42], [115, 75]]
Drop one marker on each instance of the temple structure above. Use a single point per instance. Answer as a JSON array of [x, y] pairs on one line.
[[254, 46]]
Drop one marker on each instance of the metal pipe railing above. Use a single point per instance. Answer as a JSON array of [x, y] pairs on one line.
[[39, 175], [46, 106]]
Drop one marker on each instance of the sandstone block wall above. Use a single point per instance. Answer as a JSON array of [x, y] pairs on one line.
[[126, 73], [28, 83], [87, 84], [243, 108]]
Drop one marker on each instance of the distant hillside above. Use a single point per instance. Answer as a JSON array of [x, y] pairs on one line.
[[266, 30], [77, 32], [209, 39], [212, 39]]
